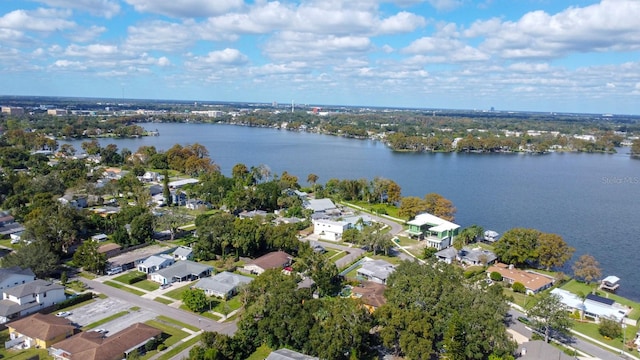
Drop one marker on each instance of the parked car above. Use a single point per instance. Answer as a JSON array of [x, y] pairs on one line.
[[101, 331], [63, 314]]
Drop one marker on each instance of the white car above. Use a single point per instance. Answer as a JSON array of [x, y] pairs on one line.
[[101, 331], [63, 314]]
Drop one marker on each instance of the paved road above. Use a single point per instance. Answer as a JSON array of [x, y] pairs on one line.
[[577, 343], [203, 323]]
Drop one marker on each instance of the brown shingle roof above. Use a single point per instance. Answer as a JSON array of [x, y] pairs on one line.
[[91, 346], [272, 260], [370, 293], [531, 281], [108, 247], [42, 326]]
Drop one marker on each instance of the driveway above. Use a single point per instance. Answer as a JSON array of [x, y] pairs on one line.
[[97, 310]]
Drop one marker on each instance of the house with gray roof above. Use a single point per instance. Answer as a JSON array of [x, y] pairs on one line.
[[181, 271], [321, 206], [377, 271], [183, 253], [538, 349], [222, 285], [14, 276], [155, 262], [468, 256], [28, 298], [286, 354]]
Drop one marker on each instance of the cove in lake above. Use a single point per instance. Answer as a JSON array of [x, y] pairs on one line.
[[591, 200]]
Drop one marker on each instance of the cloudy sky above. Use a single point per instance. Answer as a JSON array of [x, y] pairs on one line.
[[540, 55]]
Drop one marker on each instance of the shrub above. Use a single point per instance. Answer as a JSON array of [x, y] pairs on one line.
[[609, 328], [495, 276], [136, 279], [518, 287], [162, 347], [74, 300]]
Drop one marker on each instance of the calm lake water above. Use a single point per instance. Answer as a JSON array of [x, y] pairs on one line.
[[589, 199]]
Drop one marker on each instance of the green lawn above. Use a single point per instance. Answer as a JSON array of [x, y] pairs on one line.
[[180, 324], [177, 293], [172, 334], [231, 304], [169, 355], [261, 353], [147, 285], [337, 255], [125, 278], [163, 300], [123, 287], [406, 241], [378, 209], [578, 288], [331, 253], [591, 330]]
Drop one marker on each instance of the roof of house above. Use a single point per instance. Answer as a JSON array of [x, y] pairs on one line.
[[42, 326], [286, 354], [530, 280], [377, 268], [319, 204], [183, 182], [600, 299], [538, 349], [611, 279], [223, 282], [34, 287], [99, 237], [183, 251], [5, 273], [569, 299], [476, 255], [448, 253], [92, 346], [183, 268], [108, 247], [437, 224], [331, 222], [156, 260], [370, 293], [272, 260]]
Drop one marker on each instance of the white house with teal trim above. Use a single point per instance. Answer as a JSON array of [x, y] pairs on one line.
[[437, 232]]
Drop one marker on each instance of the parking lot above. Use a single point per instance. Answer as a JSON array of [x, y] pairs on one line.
[[103, 308]]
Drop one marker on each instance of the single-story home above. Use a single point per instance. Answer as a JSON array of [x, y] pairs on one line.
[[437, 232], [538, 349], [272, 260], [371, 295], [222, 285], [183, 253], [251, 214], [155, 262], [532, 281], [593, 306], [181, 271], [321, 206], [286, 354], [33, 296], [468, 256], [39, 330], [329, 229], [377, 271], [91, 345]]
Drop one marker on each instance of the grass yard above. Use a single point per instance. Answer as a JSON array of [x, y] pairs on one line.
[[406, 241], [105, 320], [125, 278], [591, 329], [180, 324], [147, 285], [376, 209], [171, 334], [395, 260], [163, 300], [578, 287], [176, 350], [261, 353], [177, 293], [231, 304], [124, 288]]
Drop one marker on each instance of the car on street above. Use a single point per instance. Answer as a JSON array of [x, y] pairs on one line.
[[63, 314]]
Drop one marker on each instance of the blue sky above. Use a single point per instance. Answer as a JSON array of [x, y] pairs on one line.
[[538, 55]]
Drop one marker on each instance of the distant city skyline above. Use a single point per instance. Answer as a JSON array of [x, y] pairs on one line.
[[523, 55]]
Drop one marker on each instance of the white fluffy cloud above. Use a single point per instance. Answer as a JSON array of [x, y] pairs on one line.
[[185, 8], [105, 8], [40, 20]]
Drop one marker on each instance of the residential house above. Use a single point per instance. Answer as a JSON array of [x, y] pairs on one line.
[[598, 307], [181, 271], [110, 250], [272, 260], [8, 225], [16, 238], [78, 202], [183, 253], [182, 182], [178, 198], [377, 271], [155, 262], [532, 281], [99, 237], [150, 176], [467, 256], [251, 214], [222, 285], [317, 247], [437, 232], [197, 204], [38, 330], [329, 230], [371, 295], [324, 207], [25, 299], [155, 190], [93, 346], [14, 276], [286, 354]]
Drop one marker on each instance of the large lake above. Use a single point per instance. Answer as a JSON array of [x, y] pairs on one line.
[[589, 199]]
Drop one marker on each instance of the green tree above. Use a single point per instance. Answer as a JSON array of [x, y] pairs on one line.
[[439, 206], [166, 192], [587, 268], [553, 251], [322, 270], [89, 258], [172, 220], [518, 246], [194, 299], [142, 228], [549, 314], [610, 328], [635, 148], [37, 256], [518, 287], [411, 206]]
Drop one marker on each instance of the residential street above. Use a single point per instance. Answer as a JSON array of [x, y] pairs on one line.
[[161, 309]]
